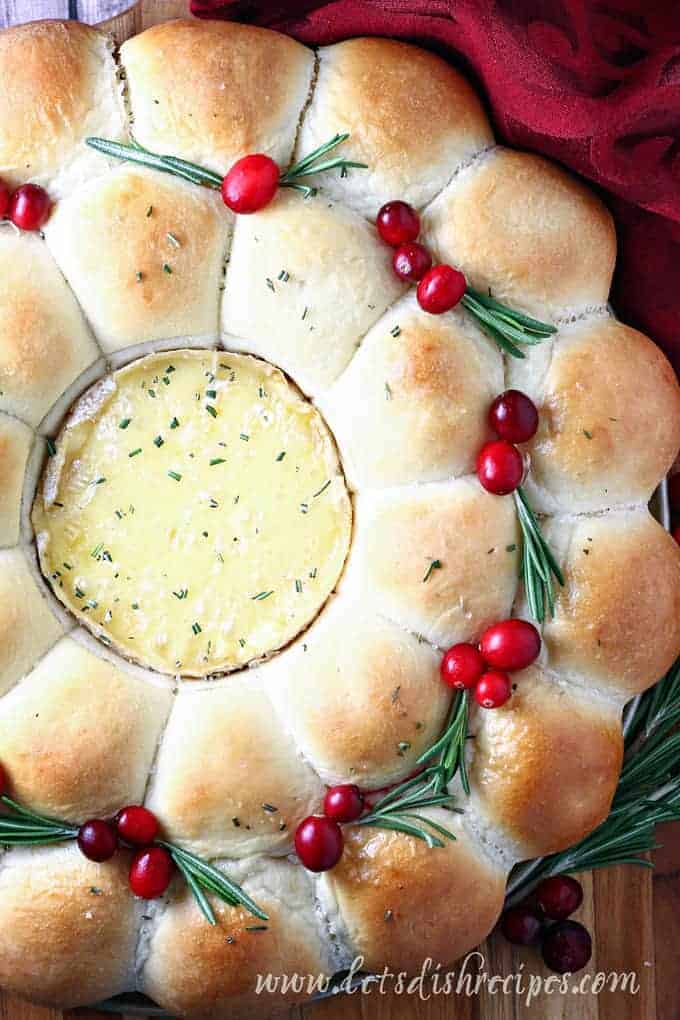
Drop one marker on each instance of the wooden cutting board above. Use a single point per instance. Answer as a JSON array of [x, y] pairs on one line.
[[634, 917]]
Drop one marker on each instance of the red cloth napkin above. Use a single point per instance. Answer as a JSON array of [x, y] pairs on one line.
[[594, 84]]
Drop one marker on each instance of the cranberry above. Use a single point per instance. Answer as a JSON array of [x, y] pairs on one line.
[[343, 803], [500, 467], [510, 644], [137, 825], [397, 223], [493, 690], [150, 872], [440, 289], [674, 491], [567, 947], [250, 184], [29, 207], [513, 416], [462, 666], [4, 199], [97, 840], [318, 842], [411, 261], [559, 896], [521, 925]]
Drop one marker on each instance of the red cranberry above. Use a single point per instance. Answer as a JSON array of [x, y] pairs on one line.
[[97, 840], [5, 196], [567, 947], [510, 644], [411, 261], [318, 843], [500, 467], [30, 207], [559, 896], [493, 690], [513, 416], [137, 825], [343, 803], [150, 872], [440, 289], [462, 666], [250, 184], [397, 223], [521, 925]]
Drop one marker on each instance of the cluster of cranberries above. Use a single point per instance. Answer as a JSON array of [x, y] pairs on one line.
[[441, 287], [318, 838], [152, 866], [28, 207], [500, 465], [504, 647], [566, 946]]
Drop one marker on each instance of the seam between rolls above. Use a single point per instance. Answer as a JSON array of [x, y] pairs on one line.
[[466, 164], [159, 743], [309, 98]]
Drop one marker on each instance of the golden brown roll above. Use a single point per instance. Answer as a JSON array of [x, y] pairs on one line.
[[545, 765], [403, 902], [212, 92], [361, 710], [16, 440], [229, 780], [616, 621], [440, 559], [59, 85], [69, 926], [293, 267], [523, 227], [78, 734], [609, 417], [165, 243], [27, 626], [44, 340], [412, 405], [410, 116], [197, 971]]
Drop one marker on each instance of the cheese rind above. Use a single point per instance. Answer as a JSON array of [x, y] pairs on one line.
[[194, 514]]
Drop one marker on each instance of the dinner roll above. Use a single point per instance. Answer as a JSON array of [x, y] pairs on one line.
[[616, 619], [439, 559], [16, 440], [609, 418], [212, 92], [305, 281], [199, 971], [521, 226], [78, 734], [545, 764], [45, 343], [70, 926], [144, 254], [229, 780], [412, 405], [361, 710], [411, 118], [403, 902], [27, 625], [59, 85]]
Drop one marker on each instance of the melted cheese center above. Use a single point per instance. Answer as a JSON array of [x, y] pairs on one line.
[[194, 515]]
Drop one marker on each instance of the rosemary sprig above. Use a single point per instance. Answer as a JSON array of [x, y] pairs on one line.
[[504, 325], [539, 566], [200, 876], [648, 793], [399, 809], [314, 163], [26, 828]]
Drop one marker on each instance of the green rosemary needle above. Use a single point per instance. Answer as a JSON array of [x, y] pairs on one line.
[[504, 325], [539, 566], [202, 877], [27, 828]]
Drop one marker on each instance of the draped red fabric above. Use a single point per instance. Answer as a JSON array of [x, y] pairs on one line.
[[594, 84]]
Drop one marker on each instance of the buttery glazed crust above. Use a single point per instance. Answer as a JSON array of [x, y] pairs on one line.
[[59, 85], [357, 697]]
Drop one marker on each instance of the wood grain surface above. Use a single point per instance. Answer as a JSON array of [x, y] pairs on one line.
[[633, 914]]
